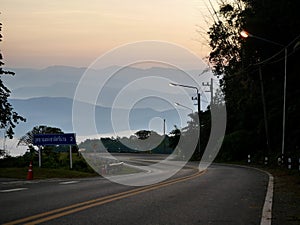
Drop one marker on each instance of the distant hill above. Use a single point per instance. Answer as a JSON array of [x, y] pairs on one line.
[[61, 81], [45, 96], [57, 111]]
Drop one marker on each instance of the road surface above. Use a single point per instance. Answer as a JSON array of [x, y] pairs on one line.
[[221, 195]]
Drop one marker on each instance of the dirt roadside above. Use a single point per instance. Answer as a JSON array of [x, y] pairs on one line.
[[286, 199]]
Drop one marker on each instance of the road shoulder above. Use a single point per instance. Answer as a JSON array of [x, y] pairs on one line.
[[286, 194]]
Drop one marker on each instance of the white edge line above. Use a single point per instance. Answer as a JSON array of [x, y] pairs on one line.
[[12, 190], [69, 182], [266, 218]]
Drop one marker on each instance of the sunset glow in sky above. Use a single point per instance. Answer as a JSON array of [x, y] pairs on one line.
[[38, 34]]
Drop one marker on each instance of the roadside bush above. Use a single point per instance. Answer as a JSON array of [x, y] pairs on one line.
[[13, 162], [81, 165], [236, 146]]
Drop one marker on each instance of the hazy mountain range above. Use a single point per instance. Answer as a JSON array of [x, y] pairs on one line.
[[61, 81], [57, 111], [45, 96]]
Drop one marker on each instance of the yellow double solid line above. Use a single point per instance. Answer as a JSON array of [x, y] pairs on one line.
[[60, 212]]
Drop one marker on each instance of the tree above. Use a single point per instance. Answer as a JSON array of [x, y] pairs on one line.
[[143, 134], [238, 61], [174, 137], [52, 159], [146, 140], [8, 117], [27, 139]]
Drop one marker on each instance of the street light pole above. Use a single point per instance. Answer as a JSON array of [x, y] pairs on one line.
[[284, 105], [198, 104], [264, 109], [178, 104], [164, 140], [246, 34]]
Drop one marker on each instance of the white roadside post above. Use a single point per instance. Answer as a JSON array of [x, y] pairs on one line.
[[266, 160], [279, 161], [289, 163]]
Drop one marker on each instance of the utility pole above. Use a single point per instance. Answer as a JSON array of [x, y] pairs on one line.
[[199, 108], [211, 90], [198, 98], [264, 109], [164, 126], [164, 140]]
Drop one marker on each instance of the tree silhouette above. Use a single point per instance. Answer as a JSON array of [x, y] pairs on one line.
[[8, 117], [27, 139], [239, 61], [143, 134]]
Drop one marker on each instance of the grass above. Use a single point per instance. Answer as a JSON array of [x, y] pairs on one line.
[[47, 173], [127, 170], [286, 205]]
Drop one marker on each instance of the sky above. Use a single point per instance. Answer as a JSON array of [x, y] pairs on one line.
[[37, 34], [42, 33]]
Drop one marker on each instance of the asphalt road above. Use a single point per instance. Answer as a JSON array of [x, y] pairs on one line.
[[221, 195]]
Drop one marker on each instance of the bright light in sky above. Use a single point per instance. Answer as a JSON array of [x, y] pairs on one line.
[[42, 33]]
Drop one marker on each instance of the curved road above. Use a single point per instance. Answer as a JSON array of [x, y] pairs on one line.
[[221, 195]]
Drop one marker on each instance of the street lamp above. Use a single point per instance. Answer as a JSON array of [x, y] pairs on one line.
[[198, 104], [178, 104], [198, 94], [246, 34]]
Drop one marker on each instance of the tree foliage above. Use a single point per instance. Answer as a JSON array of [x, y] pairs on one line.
[[174, 137], [27, 139], [143, 134], [8, 117], [238, 60]]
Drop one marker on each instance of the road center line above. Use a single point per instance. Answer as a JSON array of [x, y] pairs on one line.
[[56, 213]]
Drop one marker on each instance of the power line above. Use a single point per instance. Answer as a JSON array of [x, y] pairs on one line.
[[278, 53]]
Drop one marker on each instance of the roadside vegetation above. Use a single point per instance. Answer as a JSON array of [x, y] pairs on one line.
[[54, 165], [43, 173]]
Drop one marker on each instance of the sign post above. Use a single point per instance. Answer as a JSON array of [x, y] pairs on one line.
[[71, 161], [54, 139], [40, 156]]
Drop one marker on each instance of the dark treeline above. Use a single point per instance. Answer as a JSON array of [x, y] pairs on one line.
[[129, 145], [252, 72], [145, 141]]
